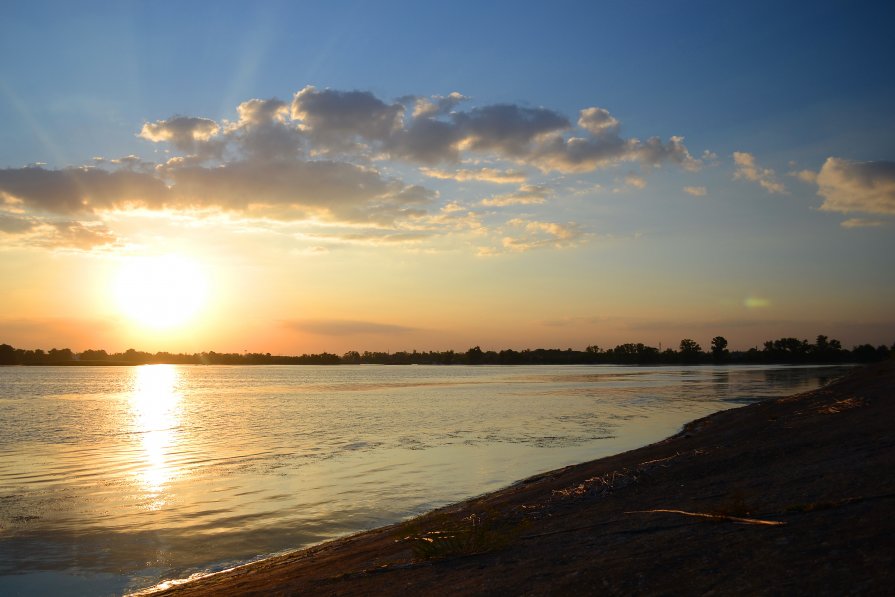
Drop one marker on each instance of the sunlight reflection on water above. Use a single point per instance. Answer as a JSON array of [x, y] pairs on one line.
[[155, 405]]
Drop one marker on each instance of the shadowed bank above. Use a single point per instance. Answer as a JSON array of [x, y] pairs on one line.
[[792, 495]]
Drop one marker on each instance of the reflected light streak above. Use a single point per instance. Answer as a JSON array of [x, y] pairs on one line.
[[155, 405]]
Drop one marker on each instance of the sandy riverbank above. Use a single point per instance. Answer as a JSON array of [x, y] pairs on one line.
[[788, 496]]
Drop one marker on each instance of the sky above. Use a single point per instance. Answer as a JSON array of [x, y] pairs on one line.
[[328, 176]]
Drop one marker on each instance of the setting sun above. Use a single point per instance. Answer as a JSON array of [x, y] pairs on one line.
[[160, 292]]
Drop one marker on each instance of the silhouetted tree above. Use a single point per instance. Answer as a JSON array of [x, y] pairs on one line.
[[474, 356], [689, 351], [720, 354]]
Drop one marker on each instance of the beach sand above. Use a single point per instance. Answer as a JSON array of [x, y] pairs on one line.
[[788, 496]]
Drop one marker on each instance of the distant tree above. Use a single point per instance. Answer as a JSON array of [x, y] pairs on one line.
[[7, 355], [689, 351], [60, 355], [352, 357], [474, 356], [720, 353], [93, 355]]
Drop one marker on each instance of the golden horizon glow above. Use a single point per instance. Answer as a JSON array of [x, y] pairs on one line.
[[160, 292]]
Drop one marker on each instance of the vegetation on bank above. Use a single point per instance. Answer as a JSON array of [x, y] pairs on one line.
[[689, 352]]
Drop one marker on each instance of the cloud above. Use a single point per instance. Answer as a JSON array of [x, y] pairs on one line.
[[47, 233], [76, 235], [526, 195], [533, 234], [578, 154], [492, 175], [748, 169], [327, 189], [339, 119], [263, 132], [73, 191], [14, 224], [257, 111], [635, 180], [867, 187], [862, 223], [329, 156], [332, 190], [437, 105], [338, 327], [183, 132], [696, 191], [808, 176], [597, 121]]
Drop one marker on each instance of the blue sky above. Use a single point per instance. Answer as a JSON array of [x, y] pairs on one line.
[[762, 94]]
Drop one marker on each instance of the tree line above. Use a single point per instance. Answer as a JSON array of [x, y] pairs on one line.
[[689, 352]]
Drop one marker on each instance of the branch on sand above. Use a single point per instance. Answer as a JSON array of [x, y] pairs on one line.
[[719, 517]]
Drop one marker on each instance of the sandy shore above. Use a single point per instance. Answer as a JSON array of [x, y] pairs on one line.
[[788, 496]]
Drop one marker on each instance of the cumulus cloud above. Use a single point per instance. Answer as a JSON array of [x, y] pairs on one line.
[[323, 156], [183, 132], [327, 189], [437, 105], [526, 195], [748, 169], [696, 191], [80, 190], [597, 121], [340, 118], [263, 132], [867, 187]]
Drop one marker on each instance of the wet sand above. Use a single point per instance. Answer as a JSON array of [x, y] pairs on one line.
[[788, 496]]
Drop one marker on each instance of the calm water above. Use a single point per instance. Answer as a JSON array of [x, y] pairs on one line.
[[113, 479]]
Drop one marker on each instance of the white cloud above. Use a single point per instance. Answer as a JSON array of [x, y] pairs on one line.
[[696, 191], [748, 169], [867, 187]]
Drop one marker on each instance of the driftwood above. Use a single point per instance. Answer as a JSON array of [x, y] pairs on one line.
[[722, 517]]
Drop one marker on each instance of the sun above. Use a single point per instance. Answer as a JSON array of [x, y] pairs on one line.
[[160, 292]]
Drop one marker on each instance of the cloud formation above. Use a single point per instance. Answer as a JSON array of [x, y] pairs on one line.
[[323, 156], [747, 168], [866, 187], [696, 191]]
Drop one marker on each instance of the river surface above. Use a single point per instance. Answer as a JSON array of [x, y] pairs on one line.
[[113, 479]]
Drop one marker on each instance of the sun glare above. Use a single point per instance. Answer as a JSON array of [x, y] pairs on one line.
[[160, 292]]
